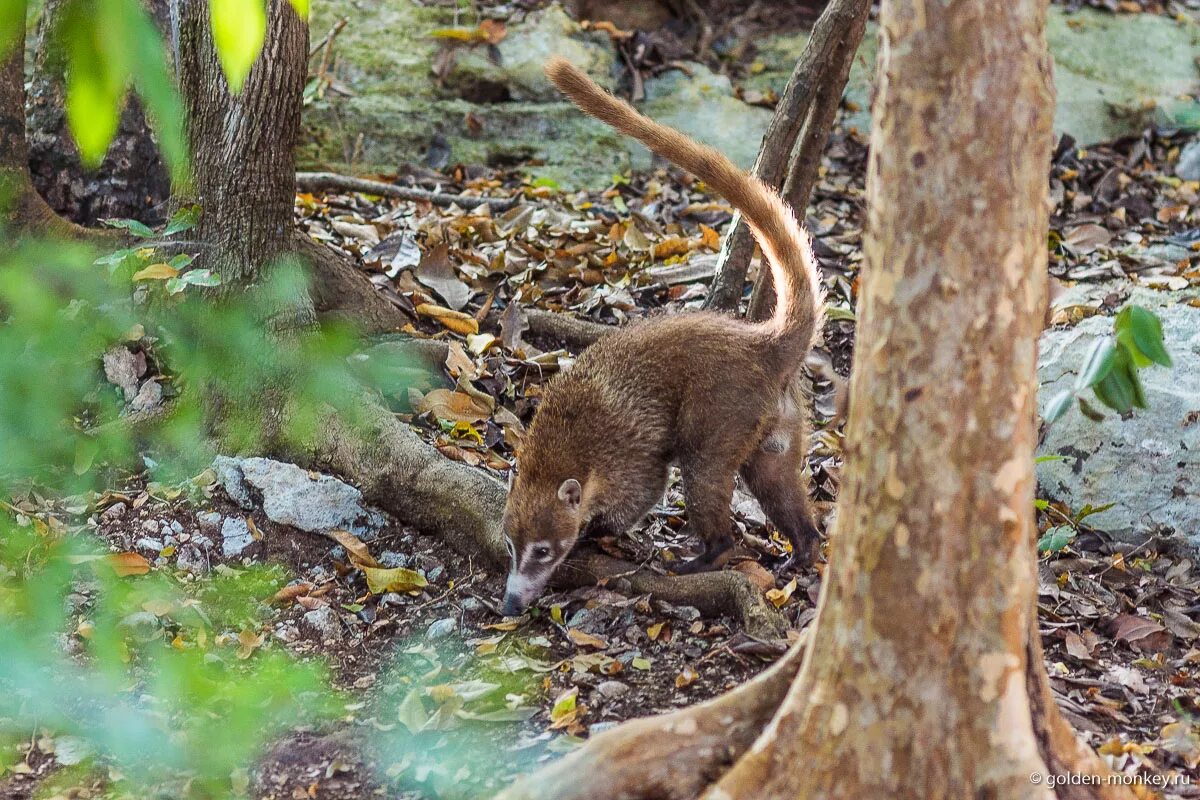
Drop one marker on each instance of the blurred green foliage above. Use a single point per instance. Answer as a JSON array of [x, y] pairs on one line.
[[161, 682], [140, 674]]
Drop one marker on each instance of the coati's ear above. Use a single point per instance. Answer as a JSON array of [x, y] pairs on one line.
[[570, 492]]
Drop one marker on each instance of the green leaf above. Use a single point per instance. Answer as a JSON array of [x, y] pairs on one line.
[[1048, 458], [181, 260], [1058, 406], [132, 225], [175, 285], [839, 313], [201, 277], [1040, 504], [96, 82], [155, 84], [239, 29], [12, 25], [1099, 363], [1056, 539], [1116, 389], [182, 220], [1147, 334], [1089, 509]]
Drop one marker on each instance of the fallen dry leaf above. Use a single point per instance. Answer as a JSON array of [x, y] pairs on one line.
[[780, 596], [382, 581], [584, 639], [360, 556]]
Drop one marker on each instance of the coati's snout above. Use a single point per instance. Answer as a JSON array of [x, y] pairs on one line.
[[541, 525]]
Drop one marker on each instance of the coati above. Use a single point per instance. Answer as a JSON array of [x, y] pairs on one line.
[[707, 391]]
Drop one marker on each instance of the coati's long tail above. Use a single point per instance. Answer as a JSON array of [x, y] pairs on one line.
[[799, 302]]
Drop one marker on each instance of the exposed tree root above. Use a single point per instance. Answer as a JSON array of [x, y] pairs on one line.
[[404, 475], [340, 291], [571, 331], [323, 181], [675, 756]]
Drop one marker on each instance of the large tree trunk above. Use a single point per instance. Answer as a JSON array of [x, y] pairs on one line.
[[243, 170], [131, 181], [924, 676], [25, 209]]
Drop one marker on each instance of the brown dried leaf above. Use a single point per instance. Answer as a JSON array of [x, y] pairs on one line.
[[757, 573], [360, 556], [1141, 633], [453, 320], [450, 405], [438, 273], [584, 639]]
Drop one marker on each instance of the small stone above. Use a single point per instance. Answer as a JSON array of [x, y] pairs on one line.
[[148, 397], [1188, 166], [150, 525], [391, 600], [115, 511], [169, 540], [235, 537], [209, 521], [393, 560], [233, 481], [286, 632], [146, 543], [176, 527], [324, 622], [441, 629], [686, 613], [191, 559], [435, 574], [203, 542], [470, 604], [613, 689]]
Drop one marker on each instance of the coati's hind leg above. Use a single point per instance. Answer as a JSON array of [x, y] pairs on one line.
[[773, 475], [708, 488]]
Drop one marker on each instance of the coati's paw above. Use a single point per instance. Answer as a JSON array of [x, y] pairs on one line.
[[706, 561]]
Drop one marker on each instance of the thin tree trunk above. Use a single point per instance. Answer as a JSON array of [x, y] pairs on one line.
[[839, 28], [806, 161], [131, 181]]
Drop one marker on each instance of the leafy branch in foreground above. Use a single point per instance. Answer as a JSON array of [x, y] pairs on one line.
[[1111, 369], [165, 683]]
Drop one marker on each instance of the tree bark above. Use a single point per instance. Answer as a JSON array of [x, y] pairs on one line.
[[818, 123], [25, 210], [131, 181], [837, 32], [924, 676], [243, 172]]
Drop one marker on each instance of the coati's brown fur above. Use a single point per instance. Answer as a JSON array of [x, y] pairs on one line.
[[707, 391]]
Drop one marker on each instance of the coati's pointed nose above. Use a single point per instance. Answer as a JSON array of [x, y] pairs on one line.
[[513, 606]]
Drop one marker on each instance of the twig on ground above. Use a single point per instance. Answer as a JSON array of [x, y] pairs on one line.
[[324, 181]]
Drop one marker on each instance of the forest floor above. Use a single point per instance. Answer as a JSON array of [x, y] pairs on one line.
[[487, 698]]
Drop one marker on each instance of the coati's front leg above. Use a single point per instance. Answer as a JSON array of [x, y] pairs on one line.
[[708, 491]]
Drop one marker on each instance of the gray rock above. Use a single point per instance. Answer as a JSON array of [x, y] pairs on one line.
[[148, 397], [115, 511], [1112, 71], [176, 527], [470, 604], [147, 543], [209, 521], [324, 622], [441, 629], [120, 368], [1188, 166], [613, 689], [192, 559], [150, 525], [235, 537], [286, 632], [229, 475], [1147, 465], [290, 496], [203, 542], [391, 600], [393, 560]]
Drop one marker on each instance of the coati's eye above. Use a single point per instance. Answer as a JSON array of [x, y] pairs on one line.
[[541, 552]]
